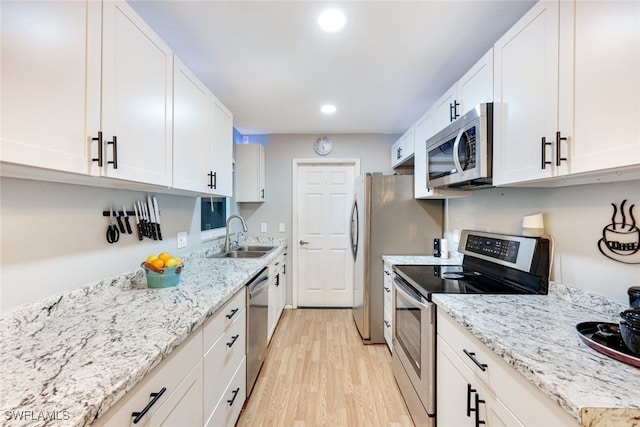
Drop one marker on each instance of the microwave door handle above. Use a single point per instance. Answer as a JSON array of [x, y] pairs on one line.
[[456, 157], [400, 288]]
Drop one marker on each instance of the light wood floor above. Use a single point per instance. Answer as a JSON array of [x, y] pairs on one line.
[[319, 373]]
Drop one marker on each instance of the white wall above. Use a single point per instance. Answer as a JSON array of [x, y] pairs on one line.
[[52, 236], [574, 217], [372, 149]]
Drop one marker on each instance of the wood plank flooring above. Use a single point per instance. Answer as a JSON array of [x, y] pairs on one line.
[[319, 373]]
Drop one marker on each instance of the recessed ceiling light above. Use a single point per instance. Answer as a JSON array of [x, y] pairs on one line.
[[328, 109], [332, 20]]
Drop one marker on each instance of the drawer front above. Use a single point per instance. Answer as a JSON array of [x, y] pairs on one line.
[[228, 409], [528, 403], [169, 374], [221, 362], [215, 326], [388, 330]]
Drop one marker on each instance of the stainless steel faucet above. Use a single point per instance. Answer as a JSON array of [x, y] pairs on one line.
[[227, 242]]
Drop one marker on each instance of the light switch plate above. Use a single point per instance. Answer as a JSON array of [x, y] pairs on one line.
[[263, 227], [281, 227], [182, 239]]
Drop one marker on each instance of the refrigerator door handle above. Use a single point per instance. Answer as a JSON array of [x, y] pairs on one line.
[[353, 232]]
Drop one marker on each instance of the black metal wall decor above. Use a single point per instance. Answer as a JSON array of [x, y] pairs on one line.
[[621, 238]]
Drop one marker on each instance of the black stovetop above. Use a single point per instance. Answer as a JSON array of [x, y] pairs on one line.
[[455, 279]]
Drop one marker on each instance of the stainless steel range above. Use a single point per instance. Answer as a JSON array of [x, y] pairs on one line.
[[493, 264]]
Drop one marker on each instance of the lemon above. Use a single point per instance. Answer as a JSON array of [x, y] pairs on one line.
[[165, 256], [172, 262], [152, 258]]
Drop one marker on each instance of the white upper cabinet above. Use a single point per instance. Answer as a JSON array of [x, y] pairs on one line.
[[475, 87], [525, 96], [48, 82], [599, 94], [402, 150], [250, 173], [191, 127], [202, 137], [567, 92], [221, 149], [137, 90]]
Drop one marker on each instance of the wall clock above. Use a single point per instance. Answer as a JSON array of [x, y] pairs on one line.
[[323, 146]]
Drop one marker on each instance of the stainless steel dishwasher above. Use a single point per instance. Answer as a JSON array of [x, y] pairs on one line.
[[258, 312]]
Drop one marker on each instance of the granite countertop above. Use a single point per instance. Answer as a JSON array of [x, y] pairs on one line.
[[73, 356], [536, 335]]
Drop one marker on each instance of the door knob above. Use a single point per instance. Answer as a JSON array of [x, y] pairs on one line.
[[302, 242]]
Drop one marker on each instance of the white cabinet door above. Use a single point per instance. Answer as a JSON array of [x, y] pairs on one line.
[[221, 149], [137, 80], [526, 97], [50, 78], [402, 150], [191, 121], [250, 172], [184, 406], [476, 86], [447, 109], [600, 59], [423, 130]]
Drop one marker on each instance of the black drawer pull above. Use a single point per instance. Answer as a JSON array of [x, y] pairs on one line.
[[482, 366], [478, 402], [233, 341], [138, 415], [233, 313], [469, 391], [235, 394]]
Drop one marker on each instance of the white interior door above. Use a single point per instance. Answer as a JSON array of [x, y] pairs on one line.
[[324, 273]]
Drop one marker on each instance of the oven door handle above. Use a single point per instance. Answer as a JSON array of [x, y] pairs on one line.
[[402, 288], [456, 156]]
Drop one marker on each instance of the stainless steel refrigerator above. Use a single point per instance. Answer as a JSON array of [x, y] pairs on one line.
[[386, 220]]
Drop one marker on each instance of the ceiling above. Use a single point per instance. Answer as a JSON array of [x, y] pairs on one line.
[[272, 66]]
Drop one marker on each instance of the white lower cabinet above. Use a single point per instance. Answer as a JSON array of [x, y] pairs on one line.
[[475, 385], [388, 304], [166, 390], [203, 382], [277, 293]]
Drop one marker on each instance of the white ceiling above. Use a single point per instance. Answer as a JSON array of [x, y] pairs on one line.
[[272, 66]]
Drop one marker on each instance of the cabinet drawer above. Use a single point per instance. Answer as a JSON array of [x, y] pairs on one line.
[[530, 405], [224, 316], [229, 406], [168, 374], [221, 362]]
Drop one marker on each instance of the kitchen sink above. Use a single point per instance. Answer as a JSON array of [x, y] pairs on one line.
[[241, 254], [250, 248]]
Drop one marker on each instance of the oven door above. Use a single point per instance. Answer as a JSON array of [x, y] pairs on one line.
[[414, 336]]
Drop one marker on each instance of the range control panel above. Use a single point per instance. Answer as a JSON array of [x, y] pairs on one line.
[[502, 249]]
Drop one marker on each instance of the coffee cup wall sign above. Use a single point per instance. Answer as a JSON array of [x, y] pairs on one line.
[[621, 238]]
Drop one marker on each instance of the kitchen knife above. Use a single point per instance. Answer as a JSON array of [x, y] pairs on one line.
[[156, 210], [152, 218], [143, 219], [147, 225], [120, 224], [126, 220], [135, 209]]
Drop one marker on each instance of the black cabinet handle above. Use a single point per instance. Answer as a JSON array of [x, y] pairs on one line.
[[235, 394], [233, 313], [99, 139], [262, 193], [469, 392], [559, 138], [399, 153], [388, 273], [482, 366], [233, 341], [387, 289], [387, 324], [544, 152], [138, 415], [114, 162], [478, 402]]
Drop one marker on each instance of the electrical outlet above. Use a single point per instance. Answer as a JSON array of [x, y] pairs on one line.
[[456, 236], [263, 227], [281, 228], [182, 239]]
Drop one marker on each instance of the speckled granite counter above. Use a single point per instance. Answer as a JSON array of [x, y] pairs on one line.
[[65, 360], [537, 336]]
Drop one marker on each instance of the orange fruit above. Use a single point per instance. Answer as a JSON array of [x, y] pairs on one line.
[[158, 263], [165, 256]]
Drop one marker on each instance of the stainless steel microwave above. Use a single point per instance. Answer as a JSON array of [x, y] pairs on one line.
[[460, 155]]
